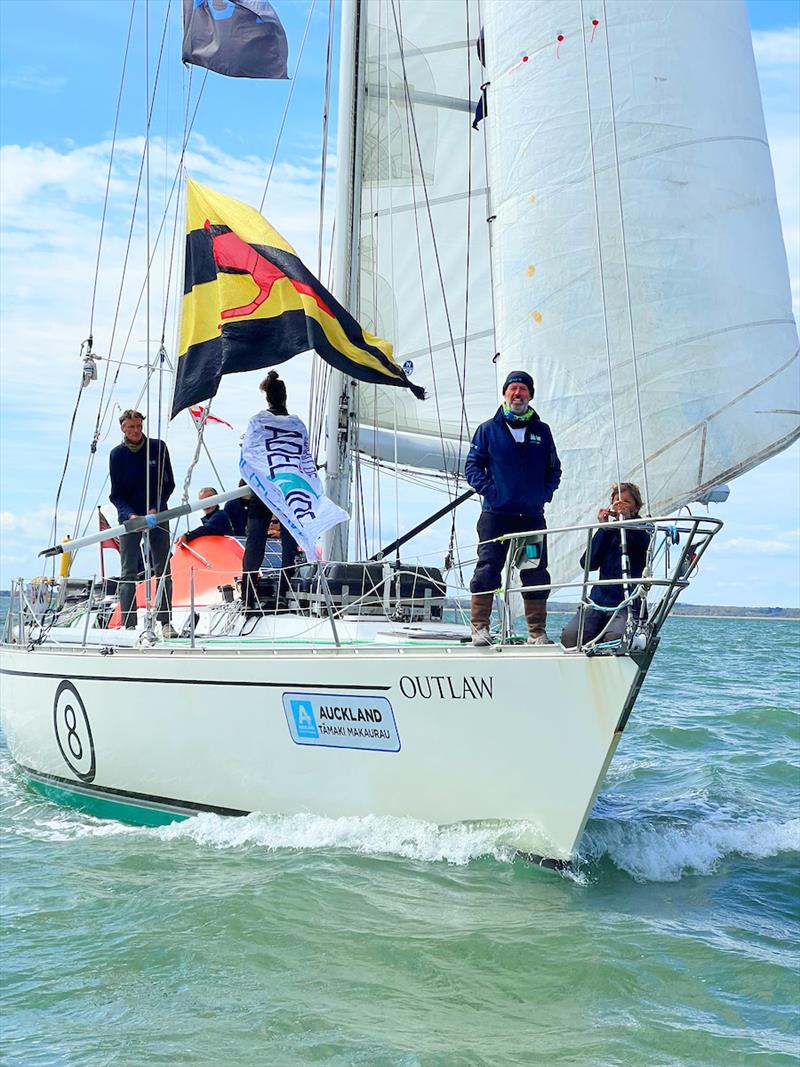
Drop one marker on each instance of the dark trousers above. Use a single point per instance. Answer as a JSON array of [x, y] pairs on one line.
[[259, 517], [593, 623], [130, 551], [492, 557]]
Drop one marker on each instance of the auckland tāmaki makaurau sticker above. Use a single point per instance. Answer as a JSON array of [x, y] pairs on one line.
[[341, 720]]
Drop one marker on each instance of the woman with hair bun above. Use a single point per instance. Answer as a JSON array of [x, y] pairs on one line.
[[259, 516], [605, 555]]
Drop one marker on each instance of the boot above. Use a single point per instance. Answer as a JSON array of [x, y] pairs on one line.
[[481, 609], [536, 618]]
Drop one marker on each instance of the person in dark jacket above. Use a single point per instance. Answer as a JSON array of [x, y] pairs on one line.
[[514, 466], [605, 555], [214, 523], [142, 482], [259, 517], [236, 510]]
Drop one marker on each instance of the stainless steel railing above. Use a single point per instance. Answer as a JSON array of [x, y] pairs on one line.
[[677, 545]]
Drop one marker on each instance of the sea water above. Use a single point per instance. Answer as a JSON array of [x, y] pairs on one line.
[[301, 940]]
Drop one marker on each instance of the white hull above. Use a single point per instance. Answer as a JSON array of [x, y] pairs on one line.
[[517, 734]]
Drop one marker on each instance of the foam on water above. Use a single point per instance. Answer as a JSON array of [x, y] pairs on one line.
[[367, 835], [653, 850], [668, 851]]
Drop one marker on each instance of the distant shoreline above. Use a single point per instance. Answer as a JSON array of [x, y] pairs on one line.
[[685, 611]]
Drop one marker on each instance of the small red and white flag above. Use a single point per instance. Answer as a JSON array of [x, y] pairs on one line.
[[202, 415], [110, 542]]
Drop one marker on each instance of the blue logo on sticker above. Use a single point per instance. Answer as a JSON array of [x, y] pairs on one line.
[[304, 718], [408, 367]]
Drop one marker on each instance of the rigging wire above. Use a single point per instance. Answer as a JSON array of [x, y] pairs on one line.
[[464, 417], [101, 412], [288, 104], [66, 458], [316, 372], [601, 270], [625, 266], [97, 275], [389, 142], [104, 411], [130, 232], [110, 165], [453, 543], [423, 291], [148, 116], [413, 126], [489, 221], [326, 105], [320, 377], [175, 182]]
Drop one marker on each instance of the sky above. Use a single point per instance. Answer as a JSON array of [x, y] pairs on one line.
[[60, 63]]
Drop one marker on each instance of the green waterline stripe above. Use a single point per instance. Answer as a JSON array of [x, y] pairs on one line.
[[104, 807], [143, 809]]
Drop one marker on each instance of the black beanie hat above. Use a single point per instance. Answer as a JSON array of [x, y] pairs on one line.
[[520, 376]]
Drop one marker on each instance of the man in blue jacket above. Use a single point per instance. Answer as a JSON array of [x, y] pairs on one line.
[[514, 466], [214, 523], [141, 483]]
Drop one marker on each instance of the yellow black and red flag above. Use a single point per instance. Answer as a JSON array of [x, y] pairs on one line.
[[249, 302]]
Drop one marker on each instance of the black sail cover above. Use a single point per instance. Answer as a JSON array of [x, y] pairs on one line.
[[238, 38]]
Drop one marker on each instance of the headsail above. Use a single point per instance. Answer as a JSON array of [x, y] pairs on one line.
[[638, 247]]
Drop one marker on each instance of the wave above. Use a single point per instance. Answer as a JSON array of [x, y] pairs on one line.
[[684, 838], [668, 852], [372, 835], [664, 852]]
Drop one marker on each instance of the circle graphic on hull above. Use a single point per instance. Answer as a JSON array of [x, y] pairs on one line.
[[73, 733]]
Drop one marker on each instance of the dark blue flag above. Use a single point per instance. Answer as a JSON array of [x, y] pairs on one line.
[[239, 38], [480, 110]]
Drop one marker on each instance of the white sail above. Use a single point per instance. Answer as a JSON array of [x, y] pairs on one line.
[[639, 124], [424, 254]]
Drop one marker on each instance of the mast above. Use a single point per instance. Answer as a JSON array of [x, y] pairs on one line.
[[349, 141]]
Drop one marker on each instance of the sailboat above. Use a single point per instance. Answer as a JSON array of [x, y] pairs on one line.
[[580, 191]]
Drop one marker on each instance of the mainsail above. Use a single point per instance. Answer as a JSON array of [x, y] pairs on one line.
[[640, 270]]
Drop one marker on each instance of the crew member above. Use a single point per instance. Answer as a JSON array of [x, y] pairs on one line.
[[259, 516], [142, 482], [514, 466], [236, 510], [214, 523], [606, 555]]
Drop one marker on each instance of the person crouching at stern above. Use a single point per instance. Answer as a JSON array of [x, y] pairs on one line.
[[142, 482], [214, 523], [606, 555], [514, 466]]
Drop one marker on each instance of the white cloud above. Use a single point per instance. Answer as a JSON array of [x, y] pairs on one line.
[[750, 546], [32, 78], [777, 48]]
